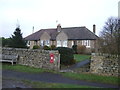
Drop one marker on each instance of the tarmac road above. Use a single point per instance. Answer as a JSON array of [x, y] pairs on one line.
[[79, 64], [51, 78]]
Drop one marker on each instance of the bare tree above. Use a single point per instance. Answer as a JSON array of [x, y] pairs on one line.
[[109, 38]]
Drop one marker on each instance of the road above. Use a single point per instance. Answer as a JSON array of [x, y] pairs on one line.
[[50, 78]]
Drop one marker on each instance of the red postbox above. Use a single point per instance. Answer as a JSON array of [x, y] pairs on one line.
[[51, 58]]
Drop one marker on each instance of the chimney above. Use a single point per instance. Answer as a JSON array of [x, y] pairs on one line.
[[94, 28], [33, 29], [59, 28]]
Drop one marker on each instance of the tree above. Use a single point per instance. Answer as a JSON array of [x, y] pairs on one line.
[[5, 42], [17, 40], [109, 39]]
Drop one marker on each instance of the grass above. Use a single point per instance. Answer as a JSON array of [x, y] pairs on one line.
[[92, 77], [78, 76], [36, 84], [80, 57], [53, 85], [27, 69]]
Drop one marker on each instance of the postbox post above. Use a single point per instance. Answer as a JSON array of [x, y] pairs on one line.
[[51, 58]]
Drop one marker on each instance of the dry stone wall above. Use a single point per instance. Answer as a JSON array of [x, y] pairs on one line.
[[105, 65], [35, 58]]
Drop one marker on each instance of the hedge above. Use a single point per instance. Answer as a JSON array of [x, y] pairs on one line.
[[66, 55]]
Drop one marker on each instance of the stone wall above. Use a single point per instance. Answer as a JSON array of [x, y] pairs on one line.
[[35, 58], [104, 65]]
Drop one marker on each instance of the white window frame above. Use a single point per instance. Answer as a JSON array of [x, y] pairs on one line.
[[72, 43], [41, 42], [86, 43], [47, 42], [28, 43], [65, 43], [59, 43]]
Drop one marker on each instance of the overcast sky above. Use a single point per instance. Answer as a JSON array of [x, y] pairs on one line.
[[44, 13]]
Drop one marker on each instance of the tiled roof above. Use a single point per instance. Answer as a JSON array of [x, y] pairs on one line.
[[73, 33]]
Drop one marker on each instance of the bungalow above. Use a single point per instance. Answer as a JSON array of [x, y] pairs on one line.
[[63, 37]]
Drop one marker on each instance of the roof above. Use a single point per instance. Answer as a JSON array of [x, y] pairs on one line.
[[73, 33]]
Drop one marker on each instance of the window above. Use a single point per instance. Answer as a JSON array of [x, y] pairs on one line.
[[59, 44], [28, 43], [41, 43], [75, 42], [64, 43], [86, 43], [72, 43], [45, 42]]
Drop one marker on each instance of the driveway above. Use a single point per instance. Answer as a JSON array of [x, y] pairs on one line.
[[50, 78], [75, 66], [79, 64]]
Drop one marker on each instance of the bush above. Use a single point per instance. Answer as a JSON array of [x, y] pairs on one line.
[[73, 61], [66, 55], [93, 50], [74, 47], [36, 47], [81, 49], [53, 47], [46, 48]]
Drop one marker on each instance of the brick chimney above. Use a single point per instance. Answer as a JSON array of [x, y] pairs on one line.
[[59, 28], [94, 28]]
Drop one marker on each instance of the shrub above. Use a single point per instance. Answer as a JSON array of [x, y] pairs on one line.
[[46, 48], [93, 50], [73, 61], [53, 47], [81, 49], [66, 55], [36, 47], [74, 47]]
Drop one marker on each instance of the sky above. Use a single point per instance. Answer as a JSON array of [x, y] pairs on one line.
[[43, 14]]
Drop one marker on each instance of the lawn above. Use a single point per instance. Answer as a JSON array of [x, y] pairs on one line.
[[80, 57]]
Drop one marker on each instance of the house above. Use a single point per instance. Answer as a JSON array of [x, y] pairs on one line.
[[63, 37]]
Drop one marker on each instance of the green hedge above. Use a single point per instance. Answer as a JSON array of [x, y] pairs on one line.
[[66, 55], [53, 47], [36, 47], [46, 48]]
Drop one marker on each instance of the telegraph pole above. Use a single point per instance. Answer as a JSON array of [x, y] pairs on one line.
[[118, 36]]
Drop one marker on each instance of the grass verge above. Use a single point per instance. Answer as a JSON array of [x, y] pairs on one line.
[[80, 57], [27, 69], [92, 77], [36, 84], [53, 85]]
